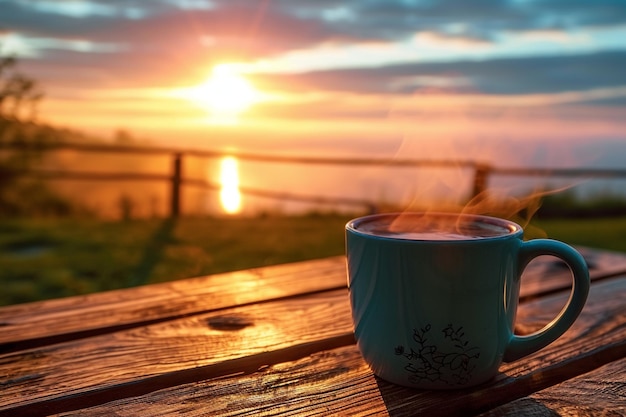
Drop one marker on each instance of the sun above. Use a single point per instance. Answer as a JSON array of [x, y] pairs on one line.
[[225, 94]]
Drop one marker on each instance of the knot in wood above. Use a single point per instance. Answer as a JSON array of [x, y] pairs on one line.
[[229, 323]]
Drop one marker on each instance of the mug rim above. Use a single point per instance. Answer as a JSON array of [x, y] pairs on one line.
[[514, 228]]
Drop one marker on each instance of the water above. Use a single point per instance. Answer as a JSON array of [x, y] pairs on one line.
[[382, 184]]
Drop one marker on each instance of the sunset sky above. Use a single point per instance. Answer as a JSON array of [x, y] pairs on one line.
[[393, 77]]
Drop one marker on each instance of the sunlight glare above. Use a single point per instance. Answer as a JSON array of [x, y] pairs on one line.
[[230, 196], [225, 94]]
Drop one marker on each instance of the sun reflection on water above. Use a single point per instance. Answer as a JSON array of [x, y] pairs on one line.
[[230, 196]]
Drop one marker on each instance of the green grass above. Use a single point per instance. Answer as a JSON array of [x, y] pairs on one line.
[[607, 233], [51, 258], [45, 258]]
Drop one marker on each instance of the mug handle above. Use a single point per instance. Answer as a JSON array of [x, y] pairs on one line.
[[520, 346]]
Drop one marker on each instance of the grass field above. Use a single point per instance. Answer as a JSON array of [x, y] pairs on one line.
[[50, 258]]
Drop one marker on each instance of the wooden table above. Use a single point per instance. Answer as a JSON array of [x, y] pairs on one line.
[[278, 340]]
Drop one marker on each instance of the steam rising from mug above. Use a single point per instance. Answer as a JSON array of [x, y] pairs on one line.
[[470, 132]]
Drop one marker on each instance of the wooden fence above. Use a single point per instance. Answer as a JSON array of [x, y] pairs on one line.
[[482, 171]]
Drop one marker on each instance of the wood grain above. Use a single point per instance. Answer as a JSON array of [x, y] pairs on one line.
[[47, 322], [601, 392], [182, 352], [547, 274], [187, 349]]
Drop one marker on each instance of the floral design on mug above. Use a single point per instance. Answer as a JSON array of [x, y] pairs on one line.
[[451, 364]]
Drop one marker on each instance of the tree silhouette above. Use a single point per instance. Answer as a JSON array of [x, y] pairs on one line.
[[22, 145], [19, 94]]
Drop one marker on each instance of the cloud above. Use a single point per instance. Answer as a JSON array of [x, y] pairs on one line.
[[572, 13], [165, 43], [471, 19], [524, 75], [159, 25], [270, 27], [122, 43], [23, 17]]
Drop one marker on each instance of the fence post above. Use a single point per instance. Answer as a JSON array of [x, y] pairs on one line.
[[481, 177], [175, 190]]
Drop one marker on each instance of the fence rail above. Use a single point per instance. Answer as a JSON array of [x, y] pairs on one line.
[[482, 171]]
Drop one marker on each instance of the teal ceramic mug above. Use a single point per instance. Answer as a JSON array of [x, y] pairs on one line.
[[434, 296]]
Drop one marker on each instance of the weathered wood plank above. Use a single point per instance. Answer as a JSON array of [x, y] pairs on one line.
[[246, 338], [547, 274], [341, 385], [41, 323], [335, 382], [598, 393], [53, 321], [187, 349], [338, 382]]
